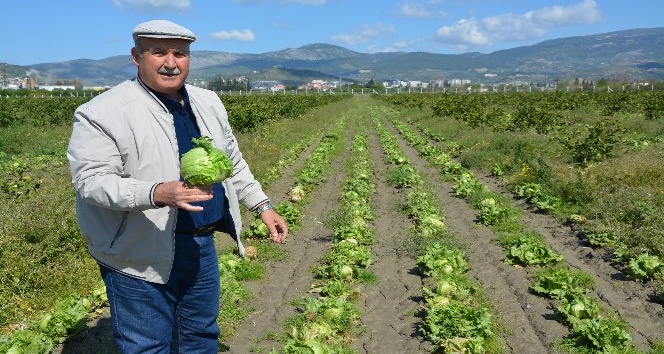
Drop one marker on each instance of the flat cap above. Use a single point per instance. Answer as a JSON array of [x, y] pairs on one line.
[[162, 29]]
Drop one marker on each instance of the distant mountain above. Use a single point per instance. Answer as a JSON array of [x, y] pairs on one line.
[[635, 54]]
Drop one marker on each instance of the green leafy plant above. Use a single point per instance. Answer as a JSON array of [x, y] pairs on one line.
[[457, 320], [205, 164], [405, 176], [491, 213], [466, 184], [327, 320], [601, 238], [558, 283], [609, 336], [347, 260], [578, 307], [442, 260], [448, 287], [596, 143], [644, 266], [69, 318], [26, 341], [537, 196], [17, 181], [499, 170], [451, 167], [528, 250]]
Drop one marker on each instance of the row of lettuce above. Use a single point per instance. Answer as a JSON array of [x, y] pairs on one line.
[[327, 318], [456, 316], [593, 328], [68, 318]]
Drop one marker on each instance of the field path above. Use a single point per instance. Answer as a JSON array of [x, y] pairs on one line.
[[389, 306], [291, 278]]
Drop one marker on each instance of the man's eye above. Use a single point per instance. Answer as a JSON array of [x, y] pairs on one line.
[[180, 54], [157, 53]]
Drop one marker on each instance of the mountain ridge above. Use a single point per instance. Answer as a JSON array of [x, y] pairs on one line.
[[627, 55]]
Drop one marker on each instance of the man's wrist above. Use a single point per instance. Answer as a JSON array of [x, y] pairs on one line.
[[263, 208], [153, 190]]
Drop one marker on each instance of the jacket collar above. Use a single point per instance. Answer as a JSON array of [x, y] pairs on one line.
[[153, 94]]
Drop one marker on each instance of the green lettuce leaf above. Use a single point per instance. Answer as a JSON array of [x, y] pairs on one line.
[[205, 164]]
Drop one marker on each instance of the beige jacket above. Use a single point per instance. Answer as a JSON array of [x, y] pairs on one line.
[[123, 143]]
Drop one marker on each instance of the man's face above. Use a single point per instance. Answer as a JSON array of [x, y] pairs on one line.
[[163, 64]]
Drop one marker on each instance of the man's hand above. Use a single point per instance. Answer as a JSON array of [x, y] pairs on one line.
[[179, 194], [276, 224]]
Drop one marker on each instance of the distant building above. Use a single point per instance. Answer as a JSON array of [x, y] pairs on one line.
[[459, 82], [28, 83], [438, 83]]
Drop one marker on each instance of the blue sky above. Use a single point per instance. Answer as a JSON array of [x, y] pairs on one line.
[[41, 31]]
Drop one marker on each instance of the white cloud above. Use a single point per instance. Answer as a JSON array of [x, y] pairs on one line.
[[245, 35], [425, 9], [154, 4], [517, 27], [404, 44], [394, 47], [464, 32], [381, 49], [412, 9], [364, 34], [583, 12], [511, 27]]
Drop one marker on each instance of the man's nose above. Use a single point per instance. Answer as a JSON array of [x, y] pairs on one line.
[[170, 61]]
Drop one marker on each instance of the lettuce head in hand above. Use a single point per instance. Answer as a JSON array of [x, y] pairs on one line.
[[205, 164]]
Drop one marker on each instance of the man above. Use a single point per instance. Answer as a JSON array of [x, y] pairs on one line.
[[150, 231]]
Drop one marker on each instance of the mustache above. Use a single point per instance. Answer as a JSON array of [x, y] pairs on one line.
[[174, 71]]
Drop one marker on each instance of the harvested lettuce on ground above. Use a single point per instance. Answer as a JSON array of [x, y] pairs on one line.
[[205, 164]]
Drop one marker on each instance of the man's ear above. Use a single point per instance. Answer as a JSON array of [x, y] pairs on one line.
[[135, 55]]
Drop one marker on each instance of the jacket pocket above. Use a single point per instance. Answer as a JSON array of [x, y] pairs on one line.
[[121, 229]]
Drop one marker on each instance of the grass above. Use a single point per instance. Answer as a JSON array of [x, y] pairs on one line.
[[629, 196], [42, 256]]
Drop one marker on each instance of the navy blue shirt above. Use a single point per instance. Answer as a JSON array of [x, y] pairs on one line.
[[186, 129]]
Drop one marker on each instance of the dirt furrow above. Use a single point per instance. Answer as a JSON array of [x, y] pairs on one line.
[[531, 330], [291, 278], [389, 307]]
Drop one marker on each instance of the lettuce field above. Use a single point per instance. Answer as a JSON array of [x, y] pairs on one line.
[[420, 223]]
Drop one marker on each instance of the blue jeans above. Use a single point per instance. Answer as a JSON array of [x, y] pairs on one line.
[[177, 317]]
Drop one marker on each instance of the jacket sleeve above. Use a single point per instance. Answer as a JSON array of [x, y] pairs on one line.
[[97, 167], [249, 191]]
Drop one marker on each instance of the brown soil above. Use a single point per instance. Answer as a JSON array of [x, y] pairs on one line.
[[389, 307]]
